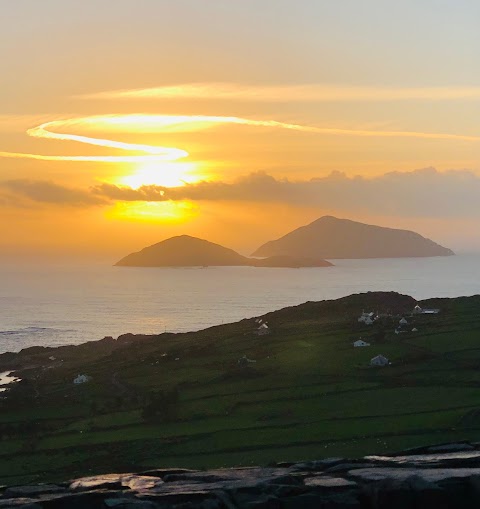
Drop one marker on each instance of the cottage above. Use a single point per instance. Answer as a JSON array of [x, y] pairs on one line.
[[425, 311], [414, 329], [403, 321], [379, 360], [244, 361], [366, 318], [360, 343], [262, 330], [81, 379]]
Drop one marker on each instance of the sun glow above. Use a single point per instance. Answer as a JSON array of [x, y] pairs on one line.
[[154, 212], [161, 173]]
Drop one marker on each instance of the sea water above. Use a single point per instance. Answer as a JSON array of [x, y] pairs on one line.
[[56, 305]]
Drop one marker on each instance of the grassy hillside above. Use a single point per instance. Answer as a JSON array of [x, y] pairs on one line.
[[183, 399]]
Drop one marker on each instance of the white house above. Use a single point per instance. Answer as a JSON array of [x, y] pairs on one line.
[[403, 322], [366, 318], [424, 311], [360, 343], [81, 379], [262, 330], [379, 360], [414, 329]]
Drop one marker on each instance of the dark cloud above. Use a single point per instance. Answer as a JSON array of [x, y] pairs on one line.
[[421, 193], [48, 192], [426, 192]]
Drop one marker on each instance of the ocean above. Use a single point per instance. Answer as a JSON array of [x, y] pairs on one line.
[[57, 305]]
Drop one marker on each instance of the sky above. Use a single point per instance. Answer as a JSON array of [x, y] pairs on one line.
[[124, 122]]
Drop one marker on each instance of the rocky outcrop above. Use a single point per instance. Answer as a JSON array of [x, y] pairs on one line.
[[441, 477]]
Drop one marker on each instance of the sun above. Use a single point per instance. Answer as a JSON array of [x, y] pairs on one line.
[[158, 173], [161, 173]]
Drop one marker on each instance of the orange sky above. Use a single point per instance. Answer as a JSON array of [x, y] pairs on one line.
[[243, 121]]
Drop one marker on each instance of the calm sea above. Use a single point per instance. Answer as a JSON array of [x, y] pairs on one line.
[[71, 304]]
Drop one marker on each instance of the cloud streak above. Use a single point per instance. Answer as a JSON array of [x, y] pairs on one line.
[[145, 123], [288, 93]]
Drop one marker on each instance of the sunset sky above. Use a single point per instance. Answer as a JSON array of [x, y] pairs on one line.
[[125, 122]]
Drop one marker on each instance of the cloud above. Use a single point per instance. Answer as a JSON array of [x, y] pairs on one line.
[[145, 123], [289, 93], [41, 191], [421, 193]]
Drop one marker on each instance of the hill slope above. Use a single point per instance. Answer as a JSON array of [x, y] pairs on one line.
[[329, 237], [192, 399], [183, 251], [186, 251]]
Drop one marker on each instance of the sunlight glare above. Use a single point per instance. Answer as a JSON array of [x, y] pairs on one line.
[[161, 173]]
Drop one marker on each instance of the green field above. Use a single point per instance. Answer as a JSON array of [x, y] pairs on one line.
[[309, 394]]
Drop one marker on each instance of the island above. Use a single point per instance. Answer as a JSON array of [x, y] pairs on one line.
[[187, 251], [332, 238]]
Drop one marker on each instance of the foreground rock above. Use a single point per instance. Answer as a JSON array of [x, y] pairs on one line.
[[420, 479]]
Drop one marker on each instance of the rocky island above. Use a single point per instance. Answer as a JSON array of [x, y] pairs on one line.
[[333, 238], [187, 251]]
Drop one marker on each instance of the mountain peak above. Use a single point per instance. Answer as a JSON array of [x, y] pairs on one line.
[[329, 237]]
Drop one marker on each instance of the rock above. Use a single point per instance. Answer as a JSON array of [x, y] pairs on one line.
[[330, 483], [140, 482], [162, 472], [451, 448], [410, 492], [129, 503], [16, 502], [32, 491], [345, 467], [110, 481]]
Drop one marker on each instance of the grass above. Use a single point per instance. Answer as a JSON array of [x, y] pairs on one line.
[[309, 395]]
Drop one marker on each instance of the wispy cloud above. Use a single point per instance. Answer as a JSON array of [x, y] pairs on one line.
[[144, 123], [288, 93]]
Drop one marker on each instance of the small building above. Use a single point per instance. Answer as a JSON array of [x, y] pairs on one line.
[[262, 330], [379, 360], [360, 343], [81, 379], [244, 361], [366, 318], [425, 311], [414, 329], [403, 321]]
